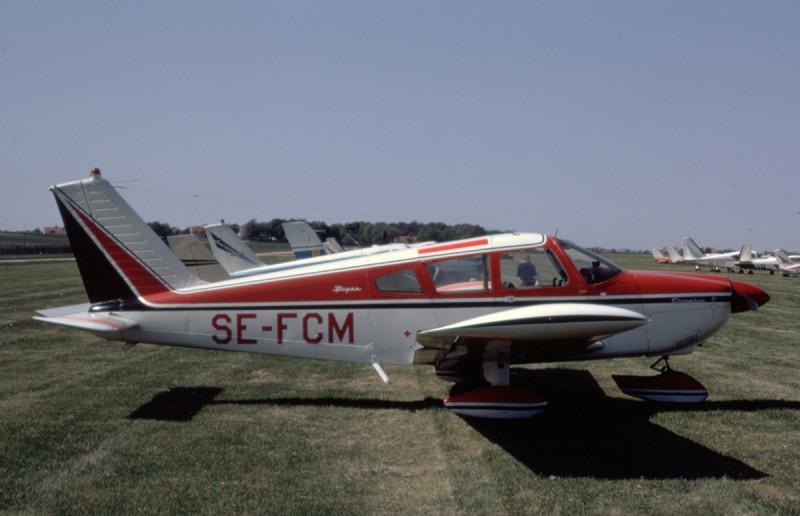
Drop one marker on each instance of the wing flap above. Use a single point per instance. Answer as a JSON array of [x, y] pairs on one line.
[[550, 322]]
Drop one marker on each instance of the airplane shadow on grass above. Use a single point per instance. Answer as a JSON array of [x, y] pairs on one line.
[[583, 433]]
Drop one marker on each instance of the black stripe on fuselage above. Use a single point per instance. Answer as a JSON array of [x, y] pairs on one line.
[[450, 304]]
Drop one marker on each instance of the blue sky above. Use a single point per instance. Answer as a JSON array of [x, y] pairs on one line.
[[620, 124]]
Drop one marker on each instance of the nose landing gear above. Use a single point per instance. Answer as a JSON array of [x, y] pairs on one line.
[[669, 386]]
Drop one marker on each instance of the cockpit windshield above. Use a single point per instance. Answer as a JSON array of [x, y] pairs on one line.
[[594, 268]]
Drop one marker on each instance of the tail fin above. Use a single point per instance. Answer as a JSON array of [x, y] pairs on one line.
[[674, 255], [303, 239], [118, 255], [197, 257], [746, 254], [332, 246], [783, 258], [229, 250], [691, 250]]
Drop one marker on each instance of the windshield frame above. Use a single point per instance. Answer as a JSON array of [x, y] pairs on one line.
[[593, 267]]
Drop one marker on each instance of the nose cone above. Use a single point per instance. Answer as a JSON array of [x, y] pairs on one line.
[[747, 297]]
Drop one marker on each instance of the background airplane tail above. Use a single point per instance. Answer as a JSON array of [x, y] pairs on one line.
[[303, 239], [197, 257], [746, 254], [783, 258], [674, 255], [691, 250], [229, 250], [118, 254]]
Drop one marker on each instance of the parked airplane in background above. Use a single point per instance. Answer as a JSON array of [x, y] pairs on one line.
[[196, 257], [470, 308], [749, 261], [788, 267], [674, 256], [659, 257], [303, 239], [716, 261], [237, 258], [305, 242], [232, 254]]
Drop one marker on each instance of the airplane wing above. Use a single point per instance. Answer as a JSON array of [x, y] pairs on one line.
[[79, 316], [537, 333], [548, 323]]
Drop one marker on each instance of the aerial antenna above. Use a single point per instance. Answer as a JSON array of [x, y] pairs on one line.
[[556, 233]]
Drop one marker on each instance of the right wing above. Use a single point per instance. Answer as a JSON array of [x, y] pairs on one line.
[[537, 324]]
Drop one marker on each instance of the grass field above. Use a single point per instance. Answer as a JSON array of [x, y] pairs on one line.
[[87, 428]]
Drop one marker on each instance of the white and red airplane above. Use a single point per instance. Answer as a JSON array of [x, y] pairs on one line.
[[715, 261], [471, 308], [787, 266], [672, 257]]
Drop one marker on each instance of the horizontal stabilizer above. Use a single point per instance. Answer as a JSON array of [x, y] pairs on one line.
[[103, 323], [64, 310], [550, 322]]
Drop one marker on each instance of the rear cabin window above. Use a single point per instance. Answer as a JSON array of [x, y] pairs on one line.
[[531, 268], [400, 281], [463, 274]]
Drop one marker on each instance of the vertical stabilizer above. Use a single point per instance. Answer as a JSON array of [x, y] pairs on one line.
[[332, 246], [197, 257], [229, 250], [783, 258], [691, 251], [303, 239], [746, 254], [674, 255], [118, 254]]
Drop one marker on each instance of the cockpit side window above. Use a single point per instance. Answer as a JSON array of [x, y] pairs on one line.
[[593, 267], [531, 268], [462, 274]]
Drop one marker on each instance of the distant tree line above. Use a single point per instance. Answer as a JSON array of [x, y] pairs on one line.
[[350, 233], [365, 233]]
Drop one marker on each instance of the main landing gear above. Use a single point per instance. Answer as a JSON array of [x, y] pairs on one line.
[[502, 401], [499, 400], [669, 386]]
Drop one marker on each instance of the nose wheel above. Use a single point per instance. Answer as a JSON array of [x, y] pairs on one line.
[[669, 386]]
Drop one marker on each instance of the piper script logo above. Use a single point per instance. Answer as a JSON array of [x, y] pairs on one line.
[[338, 289]]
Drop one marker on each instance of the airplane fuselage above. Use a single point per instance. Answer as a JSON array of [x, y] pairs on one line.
[[470, 307], [341, 313]]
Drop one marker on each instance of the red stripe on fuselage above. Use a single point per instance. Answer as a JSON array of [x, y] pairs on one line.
[[453, 246], [135, 273]]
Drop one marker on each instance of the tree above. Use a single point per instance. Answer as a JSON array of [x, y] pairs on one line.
[[162, 229]]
